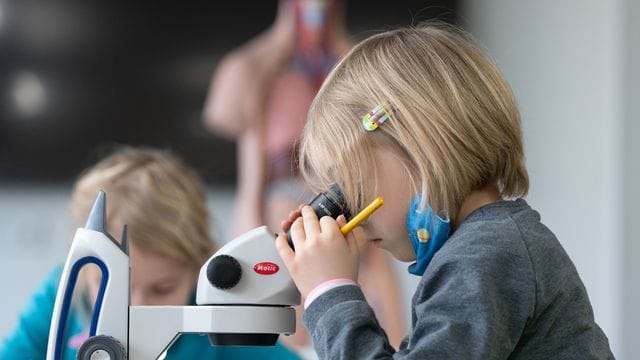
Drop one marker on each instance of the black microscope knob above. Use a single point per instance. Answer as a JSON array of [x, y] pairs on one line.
[[224, 272]]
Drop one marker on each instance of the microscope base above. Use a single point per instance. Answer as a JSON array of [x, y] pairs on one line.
[[152, 329]]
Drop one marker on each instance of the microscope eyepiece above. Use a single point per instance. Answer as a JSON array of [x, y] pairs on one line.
[[330, 202]]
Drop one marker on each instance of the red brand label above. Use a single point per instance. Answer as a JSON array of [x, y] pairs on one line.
[[266, 268]]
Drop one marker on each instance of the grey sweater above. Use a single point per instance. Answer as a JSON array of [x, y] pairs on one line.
[[501, 287]]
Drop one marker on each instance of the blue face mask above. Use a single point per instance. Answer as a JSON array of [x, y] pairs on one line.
[[427, 232]]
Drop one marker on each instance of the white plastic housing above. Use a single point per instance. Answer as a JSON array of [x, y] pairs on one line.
[[114, 313], [154, 328], [252, 248]]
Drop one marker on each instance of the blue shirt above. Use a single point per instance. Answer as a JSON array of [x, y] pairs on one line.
[[30, 337]]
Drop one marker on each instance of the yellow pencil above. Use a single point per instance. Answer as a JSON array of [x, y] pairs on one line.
[[362, 215]]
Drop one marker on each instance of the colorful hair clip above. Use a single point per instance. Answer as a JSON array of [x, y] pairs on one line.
[[378, 115]]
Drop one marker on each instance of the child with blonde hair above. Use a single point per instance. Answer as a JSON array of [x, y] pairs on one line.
[[163, 203], [420, 117]]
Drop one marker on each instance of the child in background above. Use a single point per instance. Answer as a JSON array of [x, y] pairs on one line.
[[162, 201], [420, 117]]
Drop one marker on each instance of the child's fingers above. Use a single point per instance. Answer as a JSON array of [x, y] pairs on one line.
[[310, 221], [293, 215], [284, 250], [351, 239], [297, 232], [331, 227], [359, 241], [329, 223], [285, 225]]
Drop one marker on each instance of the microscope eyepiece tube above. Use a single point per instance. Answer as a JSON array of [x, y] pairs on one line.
[[330, 202]]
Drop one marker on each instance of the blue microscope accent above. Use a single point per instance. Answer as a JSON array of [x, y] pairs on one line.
[[68, 294]]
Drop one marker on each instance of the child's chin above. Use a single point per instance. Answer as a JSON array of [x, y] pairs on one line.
[[404, 257]]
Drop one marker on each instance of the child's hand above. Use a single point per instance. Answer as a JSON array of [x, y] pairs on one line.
[[286, 224], [322, 252]]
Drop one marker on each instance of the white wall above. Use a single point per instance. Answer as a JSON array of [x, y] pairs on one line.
[[631, 178], [34, 228], [568, 63]]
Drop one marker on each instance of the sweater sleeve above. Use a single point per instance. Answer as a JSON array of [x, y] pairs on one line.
[[30, 336], [343, 326], [472, 303]]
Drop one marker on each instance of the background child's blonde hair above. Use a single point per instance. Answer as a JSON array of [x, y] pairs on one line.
[[457, 127], [159, 197]]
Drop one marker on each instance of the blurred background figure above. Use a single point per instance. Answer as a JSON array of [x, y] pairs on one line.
[[259, 95], [162, 202]]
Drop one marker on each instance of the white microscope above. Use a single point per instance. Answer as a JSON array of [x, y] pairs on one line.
[[244, 293], [244, 297]]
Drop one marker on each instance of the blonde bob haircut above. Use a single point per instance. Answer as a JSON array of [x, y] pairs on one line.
[[159, 197], [456, 128]]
